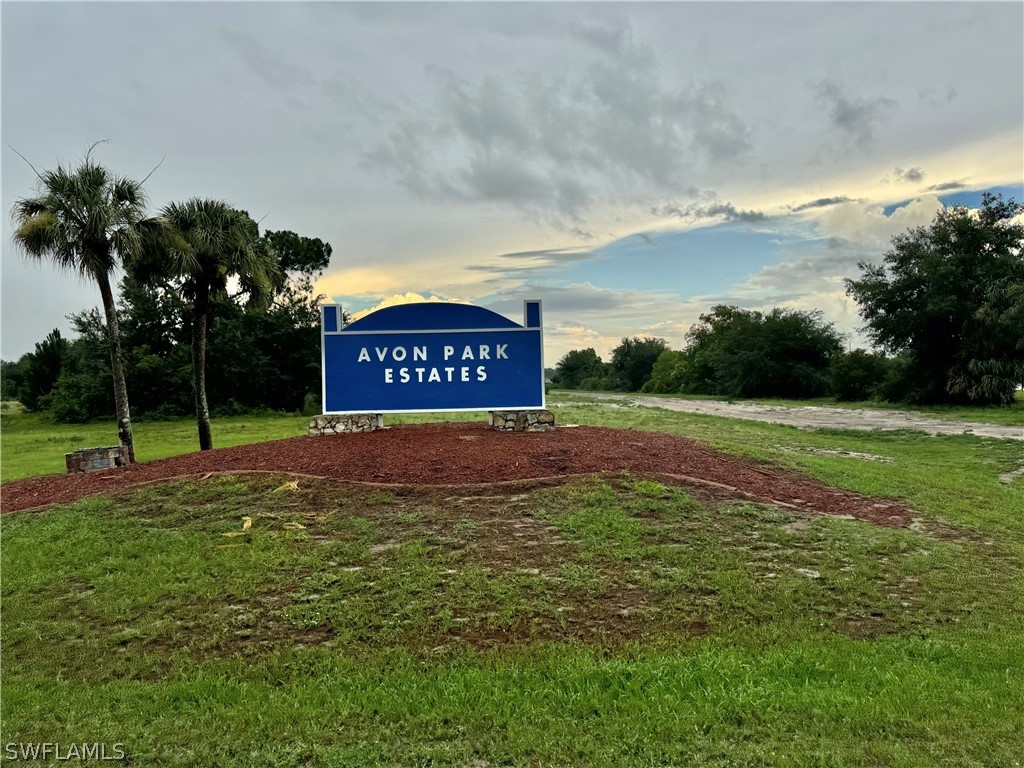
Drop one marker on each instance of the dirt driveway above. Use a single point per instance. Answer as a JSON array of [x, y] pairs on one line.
[[812, 417]]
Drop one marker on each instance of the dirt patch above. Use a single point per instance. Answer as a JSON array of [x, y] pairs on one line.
[[439, 455]]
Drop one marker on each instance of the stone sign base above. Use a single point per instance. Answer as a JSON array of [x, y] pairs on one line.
[[93, 459], [338, 424], [521, 421]]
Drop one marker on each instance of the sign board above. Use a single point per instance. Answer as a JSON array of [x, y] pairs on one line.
[[432, 356]]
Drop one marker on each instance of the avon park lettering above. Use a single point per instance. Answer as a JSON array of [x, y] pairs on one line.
[[434, 373]]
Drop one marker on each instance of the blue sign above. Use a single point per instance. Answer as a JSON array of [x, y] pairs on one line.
[[432, 356]]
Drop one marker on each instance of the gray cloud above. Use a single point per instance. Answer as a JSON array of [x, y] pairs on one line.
[[797, 277], [272, 69], [947, 186], [581, 299], [569, 254], [525, 265], [854, 116], [823, 202], [698, 211], [915, 174], [935, 97], [557, 144]]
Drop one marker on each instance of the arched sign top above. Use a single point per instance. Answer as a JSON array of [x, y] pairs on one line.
[[431, 315]]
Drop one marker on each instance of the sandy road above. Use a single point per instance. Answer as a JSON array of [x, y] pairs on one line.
[[812, 417]]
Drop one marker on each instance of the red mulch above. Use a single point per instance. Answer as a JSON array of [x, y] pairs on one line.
[[445, 454]]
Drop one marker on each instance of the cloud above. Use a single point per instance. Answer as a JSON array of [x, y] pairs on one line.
[[699, 211], [855, 117], [269, 67], [935, 97], [948, 186], [915, 174], [405, 298], [866, 226], [822, 202], [605, 129]]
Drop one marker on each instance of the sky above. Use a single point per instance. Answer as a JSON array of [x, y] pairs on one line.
[[629, 164]]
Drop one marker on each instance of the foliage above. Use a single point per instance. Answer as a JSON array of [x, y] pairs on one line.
[[633, 360], [260, 357], [296, 255], [668, 373], [35, 374], [576, 366], [859, 374], [86, 219], [83, 389], [743, 353], [950, 298], [214, 243]]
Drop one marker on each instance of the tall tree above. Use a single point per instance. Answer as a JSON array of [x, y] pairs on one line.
[[85, 219], [576, 366], [215, 243], [633, 360], [949, 298], [744, 353]]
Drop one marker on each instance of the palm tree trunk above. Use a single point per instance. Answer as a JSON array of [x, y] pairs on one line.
[[200, 316], [124, 418]]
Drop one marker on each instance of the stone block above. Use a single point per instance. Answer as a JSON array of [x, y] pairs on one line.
[[521, 421], [94, 459], [339, 424]]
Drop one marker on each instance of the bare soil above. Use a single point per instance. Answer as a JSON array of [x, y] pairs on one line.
[[468, 454]]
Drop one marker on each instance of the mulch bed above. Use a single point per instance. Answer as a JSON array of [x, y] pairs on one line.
[[456, 454]]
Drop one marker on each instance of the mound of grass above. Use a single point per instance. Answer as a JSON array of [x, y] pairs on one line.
[[606, 622]]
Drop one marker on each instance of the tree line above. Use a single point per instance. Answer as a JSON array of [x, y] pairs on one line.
[[212, 315], [202, 285], [944, 310]]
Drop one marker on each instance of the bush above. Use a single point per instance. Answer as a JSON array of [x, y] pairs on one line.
[[633, 360], [742, 353], [859, 375], [668, 374]]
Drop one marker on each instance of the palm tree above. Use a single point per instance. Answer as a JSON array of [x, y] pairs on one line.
[[85, 219], [215, 242]]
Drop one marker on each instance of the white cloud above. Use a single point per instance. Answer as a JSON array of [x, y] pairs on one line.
[[405, 298]]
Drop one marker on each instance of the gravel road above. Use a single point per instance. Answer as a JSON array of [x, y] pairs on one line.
[[812, 417]]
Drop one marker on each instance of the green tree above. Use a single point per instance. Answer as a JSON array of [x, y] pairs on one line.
[[859, 374], [83, 390], [576, 366], [668, 373], [633, 360], [744, 353], [949, 299], [36, 373], [214, 243], [296, 255], [85, 219]]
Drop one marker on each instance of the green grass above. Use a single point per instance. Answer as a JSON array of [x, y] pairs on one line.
[[33, 444], [615, 622], [620, 622], [930, 473], [1012, 415]]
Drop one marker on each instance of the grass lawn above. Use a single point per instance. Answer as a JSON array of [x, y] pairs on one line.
[[32, 444], [614, 622]]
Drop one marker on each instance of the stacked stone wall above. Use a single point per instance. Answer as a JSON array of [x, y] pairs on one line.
[[94, 459], [337, 424], [522, 421]]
